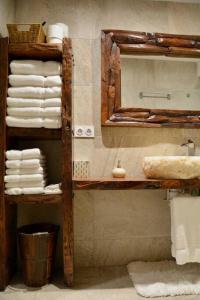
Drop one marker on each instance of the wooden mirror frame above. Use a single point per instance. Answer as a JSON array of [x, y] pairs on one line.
[[116, 42]]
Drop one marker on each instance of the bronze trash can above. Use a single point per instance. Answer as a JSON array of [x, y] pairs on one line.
[[37, 245]]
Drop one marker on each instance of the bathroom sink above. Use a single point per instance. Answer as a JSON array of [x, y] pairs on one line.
[[171, 167]]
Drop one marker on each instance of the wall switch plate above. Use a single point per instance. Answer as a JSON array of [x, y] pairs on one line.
[[81, 168], [84, 131]]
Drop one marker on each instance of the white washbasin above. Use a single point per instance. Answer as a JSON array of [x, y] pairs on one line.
[[171, 167]]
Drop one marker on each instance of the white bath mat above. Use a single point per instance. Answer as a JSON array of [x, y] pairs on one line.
[[165, 278]]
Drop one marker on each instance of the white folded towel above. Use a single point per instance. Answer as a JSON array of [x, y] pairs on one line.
[[35, 67], [185, 229], [26, 80], [50, 112], [31, 112], [10, 185], [23, 178], [52, 81], [23, 164], [34, 92], [52, 122], [39, 170], [23, 102], [25, 191], [53, 189], [24, 122], [13, 154], [52, 102], [32, 153]]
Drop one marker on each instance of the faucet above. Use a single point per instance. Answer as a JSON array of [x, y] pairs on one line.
[[190, 146]]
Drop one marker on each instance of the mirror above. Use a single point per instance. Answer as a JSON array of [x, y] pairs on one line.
[[160, 82], [150, 79]]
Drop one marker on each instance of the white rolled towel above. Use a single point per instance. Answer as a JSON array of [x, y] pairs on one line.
[[10, 185], [23, 164], [52, 123], [25, 191], [52, 102], [39, 170], [26, 80], [34, 92], [24, 102], [35, 67], [24, 122], [23, 178]]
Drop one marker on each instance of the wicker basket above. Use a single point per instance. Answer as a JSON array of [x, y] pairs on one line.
[[26, 33]]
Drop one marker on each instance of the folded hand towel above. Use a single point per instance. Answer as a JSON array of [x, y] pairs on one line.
[[23, 164], [27, 92], [52, 102], [34, 92], [9, 185], [51, 81], [29, 191], [14, 154], [53, 189], [39, 170], [24, 122], [23, 102], [52, 122], [35, 67], [26, 80], [31, 112], [23, 178], [51, 112], [185, 229], [25, 191], [52, 92], [31, 153]]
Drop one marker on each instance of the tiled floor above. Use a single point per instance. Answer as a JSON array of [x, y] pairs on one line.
[[110, 283]]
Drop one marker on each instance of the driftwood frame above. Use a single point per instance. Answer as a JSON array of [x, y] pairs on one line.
[[116, 42]]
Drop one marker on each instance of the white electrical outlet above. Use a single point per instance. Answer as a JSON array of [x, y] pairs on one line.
[[84, 131]]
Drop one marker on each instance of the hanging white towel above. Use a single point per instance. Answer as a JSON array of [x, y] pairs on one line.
[[23, 102], [185, 229], [24, 122], [26, 80], [23, 164], [52, 102], [35, 67], [39, 170], [34, 92], [52, 122]]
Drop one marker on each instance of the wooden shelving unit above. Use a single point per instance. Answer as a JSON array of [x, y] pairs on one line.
[[133, 184], [9, 136]]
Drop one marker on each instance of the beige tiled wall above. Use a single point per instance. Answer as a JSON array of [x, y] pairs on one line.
[[115, 227], [7, 15]]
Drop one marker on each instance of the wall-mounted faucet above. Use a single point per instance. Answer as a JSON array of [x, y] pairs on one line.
[[190, 146]]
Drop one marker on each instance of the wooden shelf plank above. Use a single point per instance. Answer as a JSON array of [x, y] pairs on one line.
[[151, 125], [31, 133], [131, 183], [35, 51], [33, 199]]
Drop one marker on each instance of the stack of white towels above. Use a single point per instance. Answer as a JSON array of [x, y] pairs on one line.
[[34, 95], [25, 172]]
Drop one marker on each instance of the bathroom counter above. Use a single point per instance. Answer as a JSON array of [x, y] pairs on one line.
[[133, 183]]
